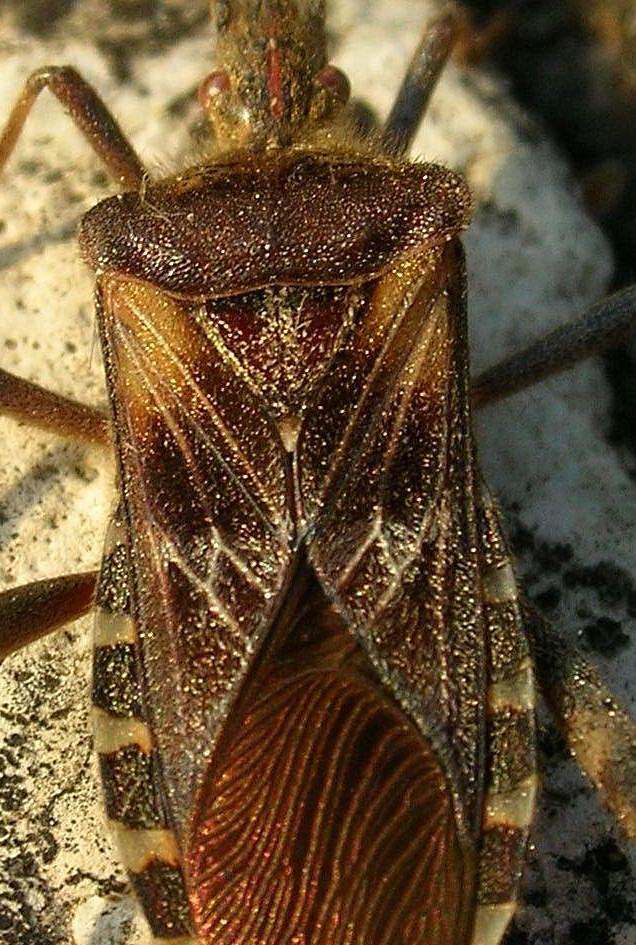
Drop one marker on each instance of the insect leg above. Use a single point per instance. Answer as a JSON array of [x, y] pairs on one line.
[[603, 325], [20, 398], [33, 610], [87, 111], [599, 733], [42, 408], [419, 82]]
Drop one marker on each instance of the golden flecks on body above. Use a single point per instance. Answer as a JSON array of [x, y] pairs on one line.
[[139, 847], [290, 337], [111, 734], [491, 923], [514, 808]]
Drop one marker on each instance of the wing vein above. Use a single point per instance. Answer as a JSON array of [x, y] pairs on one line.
[[214, 416], [340, 453], [137, 352]]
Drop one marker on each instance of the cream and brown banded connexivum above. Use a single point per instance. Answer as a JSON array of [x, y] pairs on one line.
[[314, 677]]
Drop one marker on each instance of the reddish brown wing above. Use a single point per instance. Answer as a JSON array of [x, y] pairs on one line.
[[328, 816], [203, 485], [386, 476]]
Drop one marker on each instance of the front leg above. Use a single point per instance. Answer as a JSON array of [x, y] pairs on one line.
[[86, 109], [22, 399]]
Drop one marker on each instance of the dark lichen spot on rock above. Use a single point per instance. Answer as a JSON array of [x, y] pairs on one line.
[[601, 586], [123, 29], [50, 846], [544, 557], [619, 908], [520, 536], [612, 584], [133, 10], [506, 221], [550, 598], [100, 179], [536, 897], [147, 27], [27, 886], [13, 793], [606, 636], [31, 168], [551, 743], [53, 176], [106, 887], [604, 859], [40, 17], [594, 931], [553, 556], [607, 869], [516, 935]]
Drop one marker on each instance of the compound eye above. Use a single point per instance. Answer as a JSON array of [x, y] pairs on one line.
[[335, 84], [215, 85]]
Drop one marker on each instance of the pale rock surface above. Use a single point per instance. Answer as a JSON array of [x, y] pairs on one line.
[[534, 259]]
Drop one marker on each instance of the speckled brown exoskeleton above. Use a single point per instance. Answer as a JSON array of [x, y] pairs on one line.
[[314, 677]]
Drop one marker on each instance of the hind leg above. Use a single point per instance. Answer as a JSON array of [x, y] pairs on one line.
[[35, 610], [606, 323], [599, 733]]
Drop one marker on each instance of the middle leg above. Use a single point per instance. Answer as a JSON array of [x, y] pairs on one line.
[[32, 404], [606, 323]]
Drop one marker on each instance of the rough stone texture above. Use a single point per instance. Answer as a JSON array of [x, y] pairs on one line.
[[534, 259]]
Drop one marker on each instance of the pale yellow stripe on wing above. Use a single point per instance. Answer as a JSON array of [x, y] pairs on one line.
[[111, 629], [514, 692], [499, 585], [491, 923], [111, 734], [513, 809], [140, 847]]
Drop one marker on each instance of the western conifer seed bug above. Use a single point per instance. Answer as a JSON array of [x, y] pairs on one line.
[[453, 924]]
